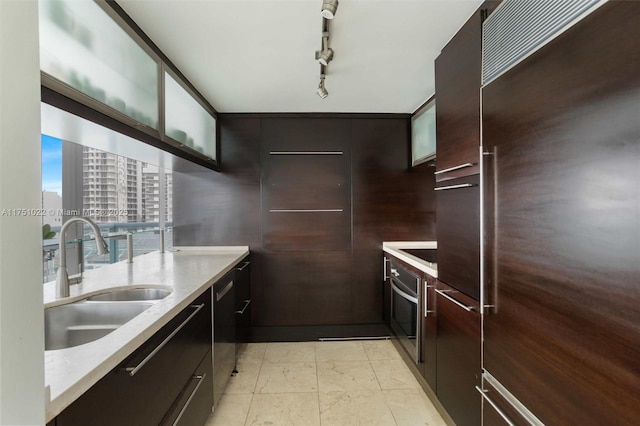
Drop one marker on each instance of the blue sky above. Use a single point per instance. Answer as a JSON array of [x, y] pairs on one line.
[[51, 164]]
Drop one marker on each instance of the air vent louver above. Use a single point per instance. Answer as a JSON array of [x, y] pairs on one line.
[[518, 27]]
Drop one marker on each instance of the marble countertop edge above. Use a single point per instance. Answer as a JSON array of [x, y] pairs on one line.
[[395, 248]]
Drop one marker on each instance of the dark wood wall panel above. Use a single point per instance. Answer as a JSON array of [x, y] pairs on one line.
[[306, 288], [367, 287], [391, 201], [565, 129], [307, 231], [309, 269], [210, 207]]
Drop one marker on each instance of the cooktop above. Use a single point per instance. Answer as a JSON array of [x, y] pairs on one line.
[[428, 255]]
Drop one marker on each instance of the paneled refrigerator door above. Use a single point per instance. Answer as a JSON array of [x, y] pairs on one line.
[[561, 267]]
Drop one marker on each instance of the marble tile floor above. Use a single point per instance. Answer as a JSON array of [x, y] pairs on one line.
[[323, 383]]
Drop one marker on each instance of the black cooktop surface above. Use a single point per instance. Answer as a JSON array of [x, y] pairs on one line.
[[428, 255]]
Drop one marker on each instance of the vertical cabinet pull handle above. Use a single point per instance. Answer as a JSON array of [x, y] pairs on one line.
[[451, 299], [384, 268], [133, 370], [426, 298]]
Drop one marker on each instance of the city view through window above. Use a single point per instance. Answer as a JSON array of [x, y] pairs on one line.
[[120, 194]]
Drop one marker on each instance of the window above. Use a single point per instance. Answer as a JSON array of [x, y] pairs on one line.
[[121, 194]]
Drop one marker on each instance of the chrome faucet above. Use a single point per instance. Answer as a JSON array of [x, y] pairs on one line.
[[62, 279]]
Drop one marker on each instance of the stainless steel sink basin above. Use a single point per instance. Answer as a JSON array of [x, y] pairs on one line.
[[83, 322], [130, 294]]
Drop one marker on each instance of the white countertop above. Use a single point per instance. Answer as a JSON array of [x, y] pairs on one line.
[[395, 248], [187, 272]]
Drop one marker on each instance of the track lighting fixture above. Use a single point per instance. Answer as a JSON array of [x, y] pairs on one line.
[[329, 8], [325, 55], [322, 92]]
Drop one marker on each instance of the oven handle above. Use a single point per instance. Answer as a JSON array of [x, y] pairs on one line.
[[402, 294]]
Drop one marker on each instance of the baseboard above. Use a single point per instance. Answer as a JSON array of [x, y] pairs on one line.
[[318, 332]]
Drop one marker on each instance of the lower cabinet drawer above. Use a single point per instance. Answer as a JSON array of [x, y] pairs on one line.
[[193, 406]]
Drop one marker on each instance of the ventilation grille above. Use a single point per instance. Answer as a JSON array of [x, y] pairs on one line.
[[518, 27]]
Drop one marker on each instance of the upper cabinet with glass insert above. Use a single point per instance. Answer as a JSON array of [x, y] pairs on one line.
[[91, 53], [186, 120], [423, 134], [82, 46]]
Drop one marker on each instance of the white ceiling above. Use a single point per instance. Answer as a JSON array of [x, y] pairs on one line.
[[258, 55]]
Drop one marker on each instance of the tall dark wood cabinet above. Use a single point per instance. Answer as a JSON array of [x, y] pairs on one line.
[[458, 71], [563, 281]]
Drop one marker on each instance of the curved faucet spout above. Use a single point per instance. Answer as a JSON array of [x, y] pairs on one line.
[[62, 279]]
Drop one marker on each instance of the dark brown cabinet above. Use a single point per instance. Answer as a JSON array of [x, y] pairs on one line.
[[428, 359], [498, 411], [458, 78], [193, 406], [149, 384], [243, 300], [458, 350], [458, 210]]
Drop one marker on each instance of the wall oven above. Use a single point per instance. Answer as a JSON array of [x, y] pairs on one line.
[[405, 317]]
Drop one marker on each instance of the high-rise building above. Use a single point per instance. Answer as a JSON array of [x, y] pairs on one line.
[[117, 189]]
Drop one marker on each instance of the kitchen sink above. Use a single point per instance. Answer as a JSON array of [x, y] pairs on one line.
[[131, 294], [82, 322]]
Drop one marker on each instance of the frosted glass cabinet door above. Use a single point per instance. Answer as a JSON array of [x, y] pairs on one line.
[[82, 46], [186, 121], [423, 135]]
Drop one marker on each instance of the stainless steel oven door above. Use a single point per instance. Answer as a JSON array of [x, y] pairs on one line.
[[405, 320]]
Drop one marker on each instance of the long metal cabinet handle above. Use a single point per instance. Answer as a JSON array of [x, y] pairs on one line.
[[384, 267], [133, 370], [450, 169], [403, 294], [445, 188], [306, 152], [306, 210], [426, 299], [244, 265], [495, 407], [451, 299], [220, 294], [200, 379], [244, 308]]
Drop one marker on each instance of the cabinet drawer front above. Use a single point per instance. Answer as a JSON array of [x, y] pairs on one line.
[[458, 212], [458, 349], [194, 404]]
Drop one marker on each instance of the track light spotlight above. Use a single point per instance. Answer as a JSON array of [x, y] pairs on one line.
[[329, 8], [322, 92], [326, 56]]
